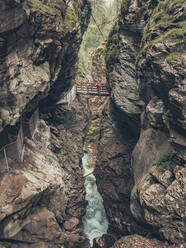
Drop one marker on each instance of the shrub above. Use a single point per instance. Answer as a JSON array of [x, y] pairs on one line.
[[172, 56], [94, 127], [168, 161], [43, 7], [70, 19]]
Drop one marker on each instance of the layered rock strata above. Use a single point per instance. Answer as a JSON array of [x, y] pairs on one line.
[[39, 42], [110, 149], [148, 42], [114, 177], [42, 199]]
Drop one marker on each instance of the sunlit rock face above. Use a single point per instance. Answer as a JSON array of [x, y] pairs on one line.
[[95, 223]]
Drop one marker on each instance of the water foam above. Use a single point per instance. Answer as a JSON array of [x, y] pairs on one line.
[[95, 222]]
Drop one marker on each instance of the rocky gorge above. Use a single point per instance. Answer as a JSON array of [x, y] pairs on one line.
[[42, 198], [135, 137], [145, 62]]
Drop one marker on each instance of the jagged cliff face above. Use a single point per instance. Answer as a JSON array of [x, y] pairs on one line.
[[146, 76], [39, 41], [42, 199]]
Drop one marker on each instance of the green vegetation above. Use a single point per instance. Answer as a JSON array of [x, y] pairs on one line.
[[112, 45], [163, 17], [43, 7], [104, 15], [70, 19], [94, 127], [106, 108], [178, 3], [168, 161], [172, 56], [175, 33], [124, 238]]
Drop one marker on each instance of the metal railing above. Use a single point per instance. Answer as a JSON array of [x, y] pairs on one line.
[[15, 151]]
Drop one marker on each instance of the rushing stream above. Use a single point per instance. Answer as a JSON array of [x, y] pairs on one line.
[[95, 222]]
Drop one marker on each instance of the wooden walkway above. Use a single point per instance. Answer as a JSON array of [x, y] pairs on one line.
[[91, 89], [132, 27]]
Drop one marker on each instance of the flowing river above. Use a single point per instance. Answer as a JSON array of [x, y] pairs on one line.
[[95, 222]]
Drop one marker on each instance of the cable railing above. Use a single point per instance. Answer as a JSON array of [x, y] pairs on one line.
[[14, 151]]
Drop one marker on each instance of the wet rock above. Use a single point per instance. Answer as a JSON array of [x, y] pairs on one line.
[[71, 224], [114, 177], [154, 112]]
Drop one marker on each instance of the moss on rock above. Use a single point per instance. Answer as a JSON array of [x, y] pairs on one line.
[[43, 7], [167, 26], [94, 128], [70, 19], [112, 46]]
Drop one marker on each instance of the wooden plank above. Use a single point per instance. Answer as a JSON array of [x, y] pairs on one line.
[[85, 90], [95, 94], [91, 89]]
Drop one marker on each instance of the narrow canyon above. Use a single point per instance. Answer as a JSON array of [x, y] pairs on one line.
[[92, 166]]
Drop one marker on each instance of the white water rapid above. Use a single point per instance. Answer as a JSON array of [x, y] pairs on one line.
[[95, 222]]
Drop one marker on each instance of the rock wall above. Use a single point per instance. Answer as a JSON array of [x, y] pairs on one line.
[[111, 149], [98, 65], [39, 42], [113, 174], [146, 64], [42, 199]]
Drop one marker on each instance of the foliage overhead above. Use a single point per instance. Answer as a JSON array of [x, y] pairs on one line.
[[104, 15]]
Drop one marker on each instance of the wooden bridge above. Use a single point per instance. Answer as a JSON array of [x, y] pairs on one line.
[[91, 89], [84, 89]]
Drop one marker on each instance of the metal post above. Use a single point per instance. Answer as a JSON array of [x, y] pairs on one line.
[[6, 159]]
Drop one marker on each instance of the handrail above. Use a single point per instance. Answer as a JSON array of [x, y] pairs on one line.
[[91, 89], [18, 147]]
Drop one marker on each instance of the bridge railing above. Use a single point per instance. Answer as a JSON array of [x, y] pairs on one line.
[[91, 89], [15, 151]]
